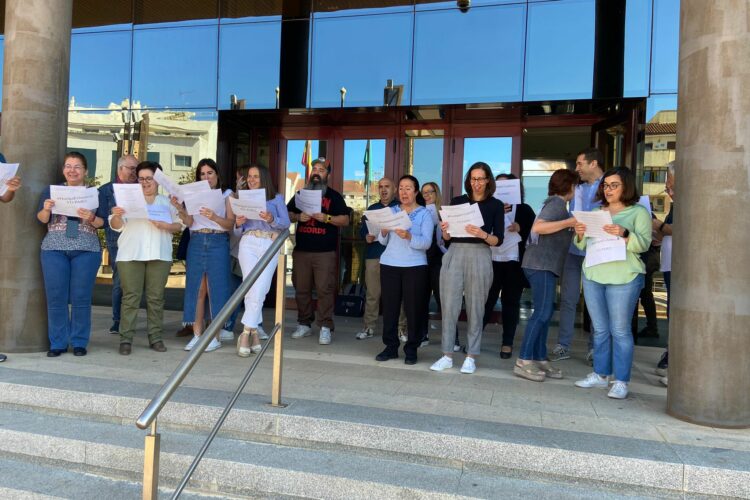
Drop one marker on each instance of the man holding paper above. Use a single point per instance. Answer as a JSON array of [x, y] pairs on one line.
[[314, 256], [611, 285], [125, 175]]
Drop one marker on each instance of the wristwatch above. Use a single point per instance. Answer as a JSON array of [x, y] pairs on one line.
[[328, 219], [626, 233]]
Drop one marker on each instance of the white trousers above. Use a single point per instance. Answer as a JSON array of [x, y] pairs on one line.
[[251, 250]]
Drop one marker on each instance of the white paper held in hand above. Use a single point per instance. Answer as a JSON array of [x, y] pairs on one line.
[[7, 172], [459, 216], [603, 250], [168, 184], [595, 222], [385, 218], [509, 191], [309, 201], [130, 198], [68, 199]]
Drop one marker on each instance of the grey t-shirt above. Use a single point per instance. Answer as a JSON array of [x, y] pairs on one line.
[[549, 253]]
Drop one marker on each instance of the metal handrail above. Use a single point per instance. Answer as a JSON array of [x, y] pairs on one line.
[[149, 415], [173, 382]]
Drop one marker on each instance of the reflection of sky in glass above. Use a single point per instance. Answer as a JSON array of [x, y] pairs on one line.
[[354, 154], [428, 160], [560, 50], [535, 190], [430, 5], [98, 76], [249, 64], [637, 48], [481, 60], [660, 103], [360, 54], [175, 67], [497, 152], [664, 58]]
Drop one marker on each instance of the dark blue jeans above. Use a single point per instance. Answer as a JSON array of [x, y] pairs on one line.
[[69, 278], [534, 344]]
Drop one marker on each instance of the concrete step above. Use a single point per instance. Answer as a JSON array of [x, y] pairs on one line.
[[443, 446], [242, 468]]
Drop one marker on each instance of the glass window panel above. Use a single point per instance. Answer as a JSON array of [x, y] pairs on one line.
[[665, 49], [98, 76], [96, 134], [535, 179], [437, 4], [331, 8], [637, 48], [487, 64], [424, 156], [659, 149], [296, 167], [165, 11], [360, 54], [497, 152], [92, 13], [175, 67], [560, 50], [250, 10], [249, 57]]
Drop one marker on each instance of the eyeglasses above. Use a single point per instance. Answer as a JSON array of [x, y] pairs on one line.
[[611, 187], [129, 169], [144, 180], [475, 180], [425, 193], [72, 167]]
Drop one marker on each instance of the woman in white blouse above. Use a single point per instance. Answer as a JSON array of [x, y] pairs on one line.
[[144, 258]]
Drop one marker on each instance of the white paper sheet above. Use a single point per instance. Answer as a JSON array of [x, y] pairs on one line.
[[508, 250], [459, 216], [601, 250], [7, 172], [595, 222], [197, 199], [245, 208], [666, 254], [645, 201], [68, 199], [385, 218], [168, 184], [309, 201], [159, 213], [372, 228], [130, 198], [509, 191]]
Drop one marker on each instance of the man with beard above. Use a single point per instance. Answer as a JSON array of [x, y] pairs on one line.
[[125, 175], [314, 256]]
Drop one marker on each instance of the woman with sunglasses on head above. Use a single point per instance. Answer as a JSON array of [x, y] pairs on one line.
[[467, 266], [257, 237], [207, 263], [71, 255], [611, 289], [144, 258]]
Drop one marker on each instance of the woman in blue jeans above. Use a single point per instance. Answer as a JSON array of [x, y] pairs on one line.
[[611, 288], [71, 255], [542, 264]]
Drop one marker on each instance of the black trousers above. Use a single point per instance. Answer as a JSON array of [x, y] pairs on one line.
[[651, 258], [410, 285], [508, 278]]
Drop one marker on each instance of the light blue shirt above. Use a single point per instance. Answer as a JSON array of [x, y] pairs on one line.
[[275, 207], [586, 193], [400, 252]]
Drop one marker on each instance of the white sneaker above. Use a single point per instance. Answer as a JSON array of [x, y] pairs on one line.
[[469, 366], [457, 347], [619, 390], [301, 331], [262, 335], [226, 335], [664, 381], [366, 333], [192, 342], [442, 364], [325, 336], [213, 345], [425, 342], [403, 337], [592, 380]]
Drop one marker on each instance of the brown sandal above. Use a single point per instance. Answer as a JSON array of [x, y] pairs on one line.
[[529, 372]]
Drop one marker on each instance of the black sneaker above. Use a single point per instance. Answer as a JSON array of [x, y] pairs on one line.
[[386, 355], [664, 361], [115, 328], [79, 351], [53, 353], [648, 333], [3, 357]]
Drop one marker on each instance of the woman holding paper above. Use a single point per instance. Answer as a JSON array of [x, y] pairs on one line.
[[257, 236], [208, 263], [467, 267], [542, 264], [611, 288], [404, 273], [144, 258], [506, 269], [71, 255]]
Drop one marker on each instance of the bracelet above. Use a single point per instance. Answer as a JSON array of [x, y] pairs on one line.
[[487, 237]]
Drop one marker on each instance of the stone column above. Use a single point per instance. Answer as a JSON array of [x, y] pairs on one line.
[[34, 121], [709, 372]]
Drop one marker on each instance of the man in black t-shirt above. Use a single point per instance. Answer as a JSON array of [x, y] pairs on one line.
[[314, 256]]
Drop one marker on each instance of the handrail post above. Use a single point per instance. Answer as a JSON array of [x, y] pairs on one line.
[[151, 464], [278, 339]]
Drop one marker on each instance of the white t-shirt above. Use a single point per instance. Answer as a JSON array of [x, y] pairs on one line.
[[142, 241]]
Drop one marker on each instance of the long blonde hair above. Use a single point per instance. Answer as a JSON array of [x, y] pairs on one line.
[[438, 196]]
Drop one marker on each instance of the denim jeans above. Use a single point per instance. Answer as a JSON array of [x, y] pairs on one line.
[[69, 278], [116, 287], [611, 308], [207, 254], [534, 344]]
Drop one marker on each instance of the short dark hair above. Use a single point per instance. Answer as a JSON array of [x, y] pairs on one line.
[[491, 186], [629, 195], [561, 182], [147, 165], [420, 198], [592, 154], [77, 156], [509, 176], [211, 163], [321, 161], [266, 181]]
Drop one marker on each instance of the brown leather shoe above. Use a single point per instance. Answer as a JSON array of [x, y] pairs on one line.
[[125, 349], [187, 331], [159, 346]]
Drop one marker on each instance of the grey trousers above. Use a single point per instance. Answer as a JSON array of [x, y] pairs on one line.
[[466, 273]]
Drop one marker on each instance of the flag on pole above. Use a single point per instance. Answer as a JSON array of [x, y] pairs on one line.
[[366, 161], [307, 159]]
